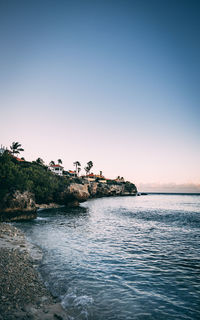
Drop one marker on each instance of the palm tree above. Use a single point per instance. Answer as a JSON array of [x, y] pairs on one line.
[[86, 170], [40, 161], [59, 161], [52, 163], [16, 148], [88, 167], [77, 165]]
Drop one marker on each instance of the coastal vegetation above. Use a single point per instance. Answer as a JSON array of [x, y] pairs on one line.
[[30, 176], [77, 166], [24, 184]]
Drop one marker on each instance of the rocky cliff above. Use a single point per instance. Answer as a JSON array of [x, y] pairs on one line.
[[22, 206], [86, 190], [97, 189], [26, 185], [76, 192]]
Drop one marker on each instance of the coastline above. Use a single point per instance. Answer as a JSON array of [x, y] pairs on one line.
[[22, 292], [51, 205]]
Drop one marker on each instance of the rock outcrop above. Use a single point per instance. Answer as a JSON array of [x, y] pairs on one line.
[[21, 205], [98, 189], [82, 191], [18, 206], [76, 192]]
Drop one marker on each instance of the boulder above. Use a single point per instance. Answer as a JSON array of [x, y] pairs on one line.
[[109, 190], [18, 206], [92, 188], [76, 191]]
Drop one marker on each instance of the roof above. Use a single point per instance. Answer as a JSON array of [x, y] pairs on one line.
[[92, 175], [18, 159], [56, 166]]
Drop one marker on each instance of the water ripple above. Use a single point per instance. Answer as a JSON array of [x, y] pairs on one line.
[[123, 258]]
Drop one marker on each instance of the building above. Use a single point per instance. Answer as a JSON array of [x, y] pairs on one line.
[[70, 173], [119, 179], [95, 177], [18, 159], [2, 150], [57, 169]]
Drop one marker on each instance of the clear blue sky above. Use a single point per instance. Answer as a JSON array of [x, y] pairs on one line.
[[115, 82]]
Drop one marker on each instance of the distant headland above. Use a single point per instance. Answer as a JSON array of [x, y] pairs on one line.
[[26, 186]]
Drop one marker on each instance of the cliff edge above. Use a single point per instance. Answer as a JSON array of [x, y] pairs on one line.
[[25, 186]]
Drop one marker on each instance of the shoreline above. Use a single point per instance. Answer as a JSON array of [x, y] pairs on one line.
[[23, 294], [51, 205]]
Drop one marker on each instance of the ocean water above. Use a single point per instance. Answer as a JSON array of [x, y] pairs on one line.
[[123, 257]]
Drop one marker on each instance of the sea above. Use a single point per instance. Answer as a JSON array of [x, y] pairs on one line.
[[125, 258]]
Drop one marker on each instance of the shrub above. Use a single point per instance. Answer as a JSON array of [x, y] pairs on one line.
[[32, 177]]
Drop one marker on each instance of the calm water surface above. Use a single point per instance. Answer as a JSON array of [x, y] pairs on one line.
[[123, 258]]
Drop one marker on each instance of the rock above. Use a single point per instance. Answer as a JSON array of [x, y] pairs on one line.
[[18, 206], [92, 188], [109, 190], [21, 205], [112, 189], [79, 192], [76, 192]]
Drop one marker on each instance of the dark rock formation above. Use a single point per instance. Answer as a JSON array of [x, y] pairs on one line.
[[18, 206], [112, 189], [21, 205], [76, 192], [82, 191]]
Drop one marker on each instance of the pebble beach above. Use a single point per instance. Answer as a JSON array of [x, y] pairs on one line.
[[22, 292]]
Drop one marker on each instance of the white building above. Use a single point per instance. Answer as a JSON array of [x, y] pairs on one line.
[[57, 169], [2, 150]]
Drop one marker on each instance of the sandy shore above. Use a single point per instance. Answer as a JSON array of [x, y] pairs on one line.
[[22, 294]]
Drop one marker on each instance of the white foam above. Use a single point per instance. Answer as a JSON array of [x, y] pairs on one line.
[[79, 303], [41, 218]]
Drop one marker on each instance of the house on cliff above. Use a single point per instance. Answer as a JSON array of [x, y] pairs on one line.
[[70, 173], [18, 159], [95, 177], [57, 169], [120, 179]]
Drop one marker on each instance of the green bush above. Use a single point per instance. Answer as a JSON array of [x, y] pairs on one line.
[[32, 177]]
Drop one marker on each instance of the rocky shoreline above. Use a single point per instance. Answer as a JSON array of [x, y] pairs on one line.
[[22, 293], [19, 205]]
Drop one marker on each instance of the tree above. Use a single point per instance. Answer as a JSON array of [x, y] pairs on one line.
[[40, 161], [52, 163], [77, 165], [89, 166], [86, 170], [59, 161], [16, 148]]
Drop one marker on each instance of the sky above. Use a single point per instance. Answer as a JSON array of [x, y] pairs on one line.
[[115, 82]]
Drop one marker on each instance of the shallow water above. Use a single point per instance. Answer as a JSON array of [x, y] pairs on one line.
[[123, 258]]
